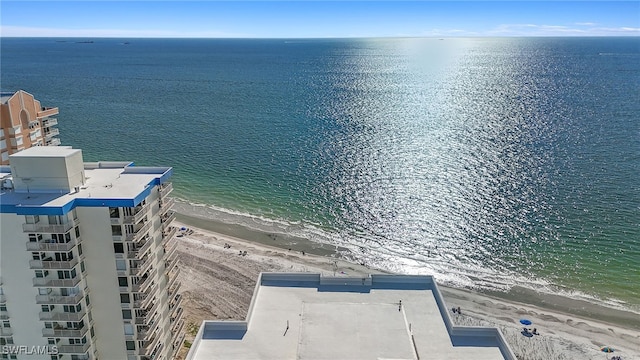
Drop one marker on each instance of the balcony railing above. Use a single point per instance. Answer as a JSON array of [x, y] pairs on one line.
[[62, 316], [51, 133], [49, 228], [54, 142], [165, 205], [59, 299], [48, 264], [73, 349], [165, 189], [170, 249], [50, 246], [6, 331], [46, 282], [174, 290], [168, 234], [69, 333], [47, 112], [139, 213], [49, 122], [136, 235], [173, 277]]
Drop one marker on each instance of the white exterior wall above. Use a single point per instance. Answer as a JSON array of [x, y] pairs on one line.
[[35, 173], [102, 281], [18, 286]]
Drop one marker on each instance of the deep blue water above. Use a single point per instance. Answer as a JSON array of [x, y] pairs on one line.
[[487, 162]]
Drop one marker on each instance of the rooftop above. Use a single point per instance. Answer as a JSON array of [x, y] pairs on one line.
[[116, 184], [306, 316]]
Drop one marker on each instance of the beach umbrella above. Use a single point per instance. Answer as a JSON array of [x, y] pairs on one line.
[[607, 349], [525, 321]]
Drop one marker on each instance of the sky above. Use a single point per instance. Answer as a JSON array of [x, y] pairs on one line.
[[317, 19]]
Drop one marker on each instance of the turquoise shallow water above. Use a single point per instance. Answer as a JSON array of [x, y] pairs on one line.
[[487, 162]]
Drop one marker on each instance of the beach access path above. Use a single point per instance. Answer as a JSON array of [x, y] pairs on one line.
[[219, 273]]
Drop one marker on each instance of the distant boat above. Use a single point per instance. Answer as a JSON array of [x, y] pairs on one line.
[[85, 42]]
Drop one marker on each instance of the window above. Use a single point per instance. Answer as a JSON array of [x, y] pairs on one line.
[[72, 308], [66, 274], [82, 266], [118, 248], [126, 314], [3, 307], [77, 229], [86, 299], [114, 212], [35, 237], [79, 249], [42, 273], [48, 325], [44, 291], [116, 230], [32, 219], [128, 329], [131, 345], [124, 299], [6, 324], [121, 265], [122, 281]]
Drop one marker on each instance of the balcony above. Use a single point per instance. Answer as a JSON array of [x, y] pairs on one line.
[[166, 205], [165, 189], [62, 316], [49, 111], [173, 277], [65, 333], [170, 250], [138, 213], [167, 219], [59, 299], [4, 315], [145, 265], [51, 133], [139, 253], [49, 228], [47, 282], [174, 290], [49, 122], [174, 306], [6, 331], [168, 234], [73, 349], [50, 246], [138, 234], [53, 265], [178, 324], [143, 284], [54, 142]]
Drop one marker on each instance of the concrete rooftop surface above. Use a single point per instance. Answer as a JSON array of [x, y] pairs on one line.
[[306, 316]]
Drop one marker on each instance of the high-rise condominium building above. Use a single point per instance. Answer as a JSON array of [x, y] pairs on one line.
[[25, 123], [87, 259]]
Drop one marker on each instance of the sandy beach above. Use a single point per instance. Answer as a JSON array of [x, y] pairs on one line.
[[218, 279]]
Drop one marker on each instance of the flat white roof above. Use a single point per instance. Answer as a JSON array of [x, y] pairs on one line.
[[46, 151], [304, 316]]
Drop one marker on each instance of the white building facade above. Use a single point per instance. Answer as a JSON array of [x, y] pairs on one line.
[[87, 259]]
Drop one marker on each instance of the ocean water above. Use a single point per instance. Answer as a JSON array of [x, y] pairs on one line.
[[487, 162]]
